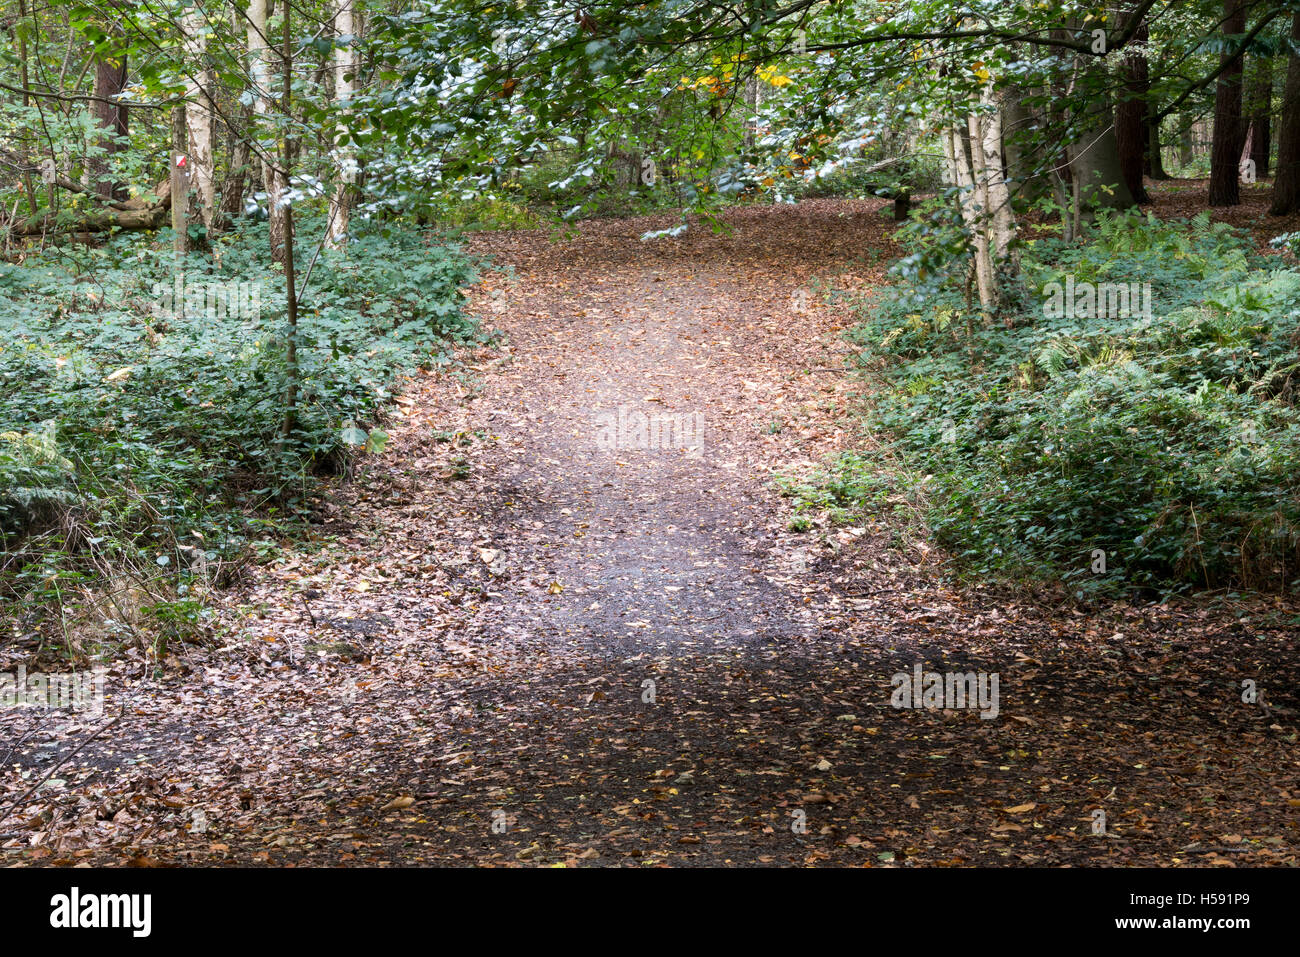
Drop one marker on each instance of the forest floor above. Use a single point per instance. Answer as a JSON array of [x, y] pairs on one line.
[[513, 644]]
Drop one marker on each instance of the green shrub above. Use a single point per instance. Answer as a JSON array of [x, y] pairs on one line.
[[138, 437], [489, 213], [1171, 442]]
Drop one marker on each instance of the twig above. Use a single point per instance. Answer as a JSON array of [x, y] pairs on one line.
[[50, 773], [36, 724], [303, 599], [329, 225]]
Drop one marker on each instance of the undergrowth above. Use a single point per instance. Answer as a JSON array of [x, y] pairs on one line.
[[1156, 453], [141, 453]]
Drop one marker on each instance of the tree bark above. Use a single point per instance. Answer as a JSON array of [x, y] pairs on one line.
[[1286, 179], [1132, 137], [751, 106], [1096, 175], [976, 166], [179, 184], [231, 204], [1154, 162], [1095, 166], [292, 370], [1229, 132], [110, 80], [1001, 221], [1260, 107], [1025, 162], [198, 118], [1186, 154], [345, 67], [954, 149], [260, 69]]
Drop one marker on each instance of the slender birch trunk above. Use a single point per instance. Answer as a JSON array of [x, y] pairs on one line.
[[963, 177], [985, 195], [345, 67], [1003, 220], [198, 117]]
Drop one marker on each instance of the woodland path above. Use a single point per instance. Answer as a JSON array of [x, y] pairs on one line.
[[470, 639]]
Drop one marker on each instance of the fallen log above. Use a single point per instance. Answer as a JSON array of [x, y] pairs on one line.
[[138, 213]]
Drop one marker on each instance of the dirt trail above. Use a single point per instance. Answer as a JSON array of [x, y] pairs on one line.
[[527, 638]]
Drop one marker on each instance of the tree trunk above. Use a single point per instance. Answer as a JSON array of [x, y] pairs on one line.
[[1286, 179], [28, 186], [751, 106], [976, 166], [1095, 166], [345, 67], [1229, 133], [180, 187], [110, 80], [1025, 162], [1185, 152], [960, 172], [1132, 136], [997, 192], [198, 118], [292, 371], [1096, 177], [1154, 163], [1259, 107], [259, 56], [231, 204]]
